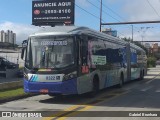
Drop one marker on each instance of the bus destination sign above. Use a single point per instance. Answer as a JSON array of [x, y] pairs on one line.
[[52, 12]]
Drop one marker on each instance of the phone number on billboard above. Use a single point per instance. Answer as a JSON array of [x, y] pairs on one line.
[[58, 11]]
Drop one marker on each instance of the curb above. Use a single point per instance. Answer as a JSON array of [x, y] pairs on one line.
[[16, 98], [11, 85]]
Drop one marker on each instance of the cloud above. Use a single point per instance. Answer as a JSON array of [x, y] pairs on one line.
[[22, 30], [141, 10], [148, 35]]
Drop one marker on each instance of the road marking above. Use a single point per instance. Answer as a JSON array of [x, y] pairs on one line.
[[147, 88], [152, 79], [61, 112], [90, 106], [158, 90], [74, 113], [74, 110]]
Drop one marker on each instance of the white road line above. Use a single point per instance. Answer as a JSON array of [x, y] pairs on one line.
[[147, 88], [158, 90], [152, 79]]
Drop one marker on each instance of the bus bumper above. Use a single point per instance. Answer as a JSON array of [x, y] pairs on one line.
[[65, 87]]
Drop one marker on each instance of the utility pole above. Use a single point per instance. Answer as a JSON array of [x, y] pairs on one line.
[[100, 16], [132, 33], [143, 31]]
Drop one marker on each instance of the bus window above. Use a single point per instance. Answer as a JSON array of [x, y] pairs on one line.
[[84, 50], [67, 58]]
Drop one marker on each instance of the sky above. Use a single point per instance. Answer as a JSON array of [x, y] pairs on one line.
[[16, 15]]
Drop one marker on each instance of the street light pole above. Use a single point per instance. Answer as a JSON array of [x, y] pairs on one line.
[[101, 16], [144, 29]]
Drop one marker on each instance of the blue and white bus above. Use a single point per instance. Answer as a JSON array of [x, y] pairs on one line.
[[68, 60]]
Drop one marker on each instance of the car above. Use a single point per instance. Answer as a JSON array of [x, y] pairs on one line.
[[5, 64], [20, 73]]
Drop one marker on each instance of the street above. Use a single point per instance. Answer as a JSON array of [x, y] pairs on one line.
[[140, 96]]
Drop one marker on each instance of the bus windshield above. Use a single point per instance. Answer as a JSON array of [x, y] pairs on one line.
[[50, 52]]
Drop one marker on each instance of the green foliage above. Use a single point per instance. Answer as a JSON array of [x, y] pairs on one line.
[[151, 62], [11, 93]]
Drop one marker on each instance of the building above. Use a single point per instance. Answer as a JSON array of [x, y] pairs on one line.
[[2, 36], [14, 38], [110, 32], [7, 38], [154, 49], [147, 45]]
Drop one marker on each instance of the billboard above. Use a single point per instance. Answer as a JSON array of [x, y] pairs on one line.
[[112, 32], [52, 12]]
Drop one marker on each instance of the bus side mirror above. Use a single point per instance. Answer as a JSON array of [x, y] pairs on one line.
[[23, 52]]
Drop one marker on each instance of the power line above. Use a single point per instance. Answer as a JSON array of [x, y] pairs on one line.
[[115, 13], [102, 10], [112, 11], [105, 13], [87, 11], [153, 8], [92, 15], [122, 17]]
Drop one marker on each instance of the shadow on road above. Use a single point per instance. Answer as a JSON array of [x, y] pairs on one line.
[[135, 94]]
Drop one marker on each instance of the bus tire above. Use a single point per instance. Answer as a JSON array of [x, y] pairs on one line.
[[121, 81], [95, 87]]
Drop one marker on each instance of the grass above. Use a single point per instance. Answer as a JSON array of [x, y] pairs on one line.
[[11, 93]]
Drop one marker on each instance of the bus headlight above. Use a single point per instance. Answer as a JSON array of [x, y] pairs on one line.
[[70, 75]]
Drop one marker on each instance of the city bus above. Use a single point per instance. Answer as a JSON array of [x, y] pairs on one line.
[[66, 60]]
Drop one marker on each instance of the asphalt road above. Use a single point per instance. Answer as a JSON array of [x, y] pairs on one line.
[[129, 102]]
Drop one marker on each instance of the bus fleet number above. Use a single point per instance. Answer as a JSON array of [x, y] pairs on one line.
[[52, 77]]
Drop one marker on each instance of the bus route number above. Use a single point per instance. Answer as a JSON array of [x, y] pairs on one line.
[[52, 77]]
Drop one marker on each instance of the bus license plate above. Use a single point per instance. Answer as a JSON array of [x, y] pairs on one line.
[[52, 77], [44, 91]]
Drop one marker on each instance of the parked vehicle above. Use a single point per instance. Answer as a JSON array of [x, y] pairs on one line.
[[4, 63]]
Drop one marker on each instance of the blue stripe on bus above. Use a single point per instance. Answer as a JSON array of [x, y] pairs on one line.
[[65, 87], [31, 78]]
